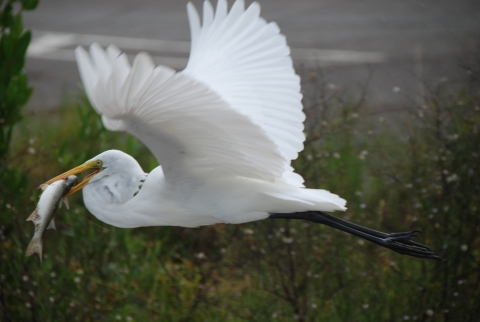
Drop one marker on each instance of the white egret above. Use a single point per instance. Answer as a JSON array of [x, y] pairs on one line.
[[224, 131]]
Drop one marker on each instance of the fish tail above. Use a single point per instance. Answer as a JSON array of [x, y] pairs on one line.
[[35, 246]]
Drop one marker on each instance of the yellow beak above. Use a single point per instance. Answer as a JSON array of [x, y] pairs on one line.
[[84, 167], [75, 170]]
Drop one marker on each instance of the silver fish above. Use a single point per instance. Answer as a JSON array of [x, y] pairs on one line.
[[42, 216]]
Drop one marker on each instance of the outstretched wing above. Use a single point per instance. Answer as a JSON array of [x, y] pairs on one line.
[[194, 124], [247, 62]]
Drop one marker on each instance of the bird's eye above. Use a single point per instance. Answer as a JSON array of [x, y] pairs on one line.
[[99, 163]]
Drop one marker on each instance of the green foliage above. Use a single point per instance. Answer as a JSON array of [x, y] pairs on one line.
[[14, 89], [416, 169]]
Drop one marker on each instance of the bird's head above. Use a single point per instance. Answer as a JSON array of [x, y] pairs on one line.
[[104, 164]]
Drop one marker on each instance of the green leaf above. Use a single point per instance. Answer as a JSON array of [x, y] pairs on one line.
[[29, 4], [8, 42], [17, 25], [23, 42], [6, 15]]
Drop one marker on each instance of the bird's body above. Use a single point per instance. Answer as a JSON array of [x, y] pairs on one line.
[[137, 199], [224, 131]]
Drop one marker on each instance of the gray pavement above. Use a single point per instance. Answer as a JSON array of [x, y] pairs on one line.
[[396, 38]]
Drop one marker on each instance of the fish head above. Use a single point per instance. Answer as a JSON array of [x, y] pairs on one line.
[[71, 181]]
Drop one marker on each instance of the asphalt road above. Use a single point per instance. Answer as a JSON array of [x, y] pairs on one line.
[[396, 38]]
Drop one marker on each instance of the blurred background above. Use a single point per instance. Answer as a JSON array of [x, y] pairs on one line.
[[392, 97], [402, 41]]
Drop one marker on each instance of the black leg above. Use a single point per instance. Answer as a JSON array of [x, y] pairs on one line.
[[398, 242]]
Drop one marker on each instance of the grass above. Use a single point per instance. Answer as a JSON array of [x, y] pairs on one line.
[[417, 169]]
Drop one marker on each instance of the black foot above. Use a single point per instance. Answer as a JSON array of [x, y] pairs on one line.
[[401, 243]]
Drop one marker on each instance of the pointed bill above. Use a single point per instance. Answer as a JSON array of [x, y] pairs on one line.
[[89, 165], [80, 168]]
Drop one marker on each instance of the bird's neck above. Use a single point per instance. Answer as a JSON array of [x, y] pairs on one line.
[[116, 187]]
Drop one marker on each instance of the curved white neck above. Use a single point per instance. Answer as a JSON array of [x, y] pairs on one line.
[[115, 188]]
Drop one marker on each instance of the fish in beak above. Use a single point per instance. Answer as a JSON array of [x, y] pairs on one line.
[[95, 165], [42, 216]]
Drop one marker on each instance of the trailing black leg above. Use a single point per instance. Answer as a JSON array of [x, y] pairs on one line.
[[399, 242]]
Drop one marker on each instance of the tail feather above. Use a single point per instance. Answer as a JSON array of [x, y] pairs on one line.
[[35, 246], [300, 199]]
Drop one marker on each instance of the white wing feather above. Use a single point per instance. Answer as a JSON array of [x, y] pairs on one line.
[[247, 62], [188, 127], [236, 109]]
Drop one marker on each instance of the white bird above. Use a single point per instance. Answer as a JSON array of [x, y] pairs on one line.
[[224, 131]]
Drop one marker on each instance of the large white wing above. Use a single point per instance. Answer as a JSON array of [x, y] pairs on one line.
[[195, 124], [247, 62]]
